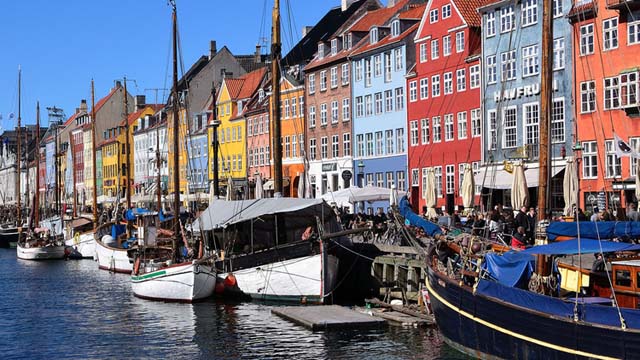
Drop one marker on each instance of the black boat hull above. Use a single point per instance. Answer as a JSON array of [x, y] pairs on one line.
[[7, 237], [489, 328]]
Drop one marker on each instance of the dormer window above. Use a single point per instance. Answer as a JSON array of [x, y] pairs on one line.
[[320, 50], [433, 16], [446, 11], [374, 35], [240, 107], [395, 28], [260, 95], [349, 40], [334, 46]]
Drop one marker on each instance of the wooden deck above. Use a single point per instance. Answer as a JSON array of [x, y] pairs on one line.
[[326, 317]]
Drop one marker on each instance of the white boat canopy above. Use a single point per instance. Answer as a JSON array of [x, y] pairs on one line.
[[356, 194]]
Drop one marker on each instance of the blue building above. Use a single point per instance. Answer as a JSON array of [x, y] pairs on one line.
[[380, 108], [197, 150], [511, 51]]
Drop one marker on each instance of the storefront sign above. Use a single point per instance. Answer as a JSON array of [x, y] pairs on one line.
[[520, 91], [329, 167]]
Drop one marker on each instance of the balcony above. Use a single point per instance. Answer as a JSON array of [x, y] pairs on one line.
[[629, 5]]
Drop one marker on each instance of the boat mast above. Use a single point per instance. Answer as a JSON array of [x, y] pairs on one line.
[[73, 170], [158, 163], [276, 48], [93, 156], [176, 122], [127, 146], [36, 201], [215, 122], [55, 164], [18, 170]]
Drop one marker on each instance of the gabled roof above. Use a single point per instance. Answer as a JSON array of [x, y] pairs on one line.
[[469, 11], [104, 100], [414, 13], [251, 82], [136, 115], [234, 86], [377, 17], [70, 119]]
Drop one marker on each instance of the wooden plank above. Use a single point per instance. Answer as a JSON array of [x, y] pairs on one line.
[[401, 318], [326, 317]]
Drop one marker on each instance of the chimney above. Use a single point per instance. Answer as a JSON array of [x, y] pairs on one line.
[[118, 84], [258, 57], [345, 6], [83, 106], [213, 49], [305, 30], [140, 102]]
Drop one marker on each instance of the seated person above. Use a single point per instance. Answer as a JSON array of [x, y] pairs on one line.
[[518, 239]]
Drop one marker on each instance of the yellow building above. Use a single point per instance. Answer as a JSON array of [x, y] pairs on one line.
[[182, 155], [111, 164]]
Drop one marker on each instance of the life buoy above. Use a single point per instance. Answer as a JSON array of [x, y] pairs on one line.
[[136, 266], [76, 238]]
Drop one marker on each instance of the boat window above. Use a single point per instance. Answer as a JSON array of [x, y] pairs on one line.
[[623, 278]]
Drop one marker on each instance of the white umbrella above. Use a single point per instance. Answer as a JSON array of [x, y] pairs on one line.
[[229, 196], [301, 186], [430, 194], [393, 196], [570, 186], [211, 196], [467, 189], [519, 189], [638, 179], [259, 192]]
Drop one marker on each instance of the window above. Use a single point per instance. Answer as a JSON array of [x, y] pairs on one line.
[[401, 180], [557, 121], [312, 83], [491, 24], [379, 143], [415, 173], [395, 28], [390, 180], [557, 8], [476, 124], [531, 114], [287, 113], [435, 85], [510, 120], [434, 49], [320, 51], [633, 33], [426, 136], [424, 88], [447, 80], [423, 52], [380, 179], [586, 39], [312, 149], [529, 12], [387, 66], [461, 79], [613, 162], [368, 105], [438, 172], [433, 16], [507, 19], [425, 174], [508, 62], [413, 91], [589, 160], [492, 116], [530, 65], [377, 65], [345, 74], [367, 72], [611, 93], [623, 278], [474, 76], [610, 33], [348, 42], [378, 102], [446, 45], [334, 46], [460, 41], [388, 100], [360, 145], [323, 147], [413, 129], [370, 179], [294, 107], [294, 146], [346, 144], [399, 59], [323, 114], [323, 80], [334, 112], [462, 125], [399, 98], [374, 36], [448, 127], [492, 71], [451, 175], [437, 129], [629, 89], [287, 147], [634, 143], [334, 77], [358, 70], [359, 107], [446, 11], [587, 97], [346, 111], [558, 54], [388, 134], [335, 146], [369, 137], [400, 141]]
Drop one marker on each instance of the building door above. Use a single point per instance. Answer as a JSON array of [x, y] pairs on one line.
[[451, 202]]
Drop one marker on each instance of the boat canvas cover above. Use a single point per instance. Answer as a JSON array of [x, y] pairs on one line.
[[594, 229], [414, 219], [509, 268], [582, 246], [221, 214]]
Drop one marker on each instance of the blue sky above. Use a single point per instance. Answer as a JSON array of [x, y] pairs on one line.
[[62, 45]]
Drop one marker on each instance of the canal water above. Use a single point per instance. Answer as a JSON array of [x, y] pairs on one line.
[[72, 310]]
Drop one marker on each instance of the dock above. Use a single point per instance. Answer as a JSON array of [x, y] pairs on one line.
[[326, 317]]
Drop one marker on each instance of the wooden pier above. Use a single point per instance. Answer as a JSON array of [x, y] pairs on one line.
[[326, 317], [400, 271]]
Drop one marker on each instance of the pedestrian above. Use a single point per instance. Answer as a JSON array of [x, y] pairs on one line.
[[531, 225], [521, 218], [633, 214], [596, 214]]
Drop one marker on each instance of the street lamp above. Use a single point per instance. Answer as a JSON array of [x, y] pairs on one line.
[[361, 172]]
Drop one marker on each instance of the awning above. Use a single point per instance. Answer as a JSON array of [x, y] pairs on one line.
[[495, 177]]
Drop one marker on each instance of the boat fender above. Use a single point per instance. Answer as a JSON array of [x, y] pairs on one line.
[[76, 239], [136, 266], [230, 281]]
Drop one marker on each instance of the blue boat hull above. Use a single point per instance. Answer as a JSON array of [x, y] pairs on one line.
[[489, 328]]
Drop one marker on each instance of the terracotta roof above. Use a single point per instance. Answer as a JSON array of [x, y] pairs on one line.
[[469, 10], [385, 41], [377, 17], [234, 86], [251, 82], [581, 7], [70, 119], [136, 115], [414, 12]]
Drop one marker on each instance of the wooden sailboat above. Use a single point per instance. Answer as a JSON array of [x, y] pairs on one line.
[[39, 243], [160, 273]]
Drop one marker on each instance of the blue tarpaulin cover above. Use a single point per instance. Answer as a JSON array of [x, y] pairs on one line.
[[587, 246], [594, 229], [117, 230], [131, 214], [429, 228], [508, 268]]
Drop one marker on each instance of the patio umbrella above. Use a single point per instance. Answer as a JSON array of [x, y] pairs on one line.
[[570, 186], [229, 196], [467, 189], [638, 179], [259, 192], [430, 194], [519, 189], [211, 196], [301, 186], [393, 196]]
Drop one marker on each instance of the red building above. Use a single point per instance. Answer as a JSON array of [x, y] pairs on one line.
[[606, 50], [443, 112]]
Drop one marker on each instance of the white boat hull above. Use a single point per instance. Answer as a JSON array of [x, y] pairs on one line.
[[52, 252], [112, 259], [184, 283], [308, 279], [83, 245]]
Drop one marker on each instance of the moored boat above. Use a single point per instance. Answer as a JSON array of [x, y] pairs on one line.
[[40, 246], [110, 251], [8, 236], [80, 238]]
